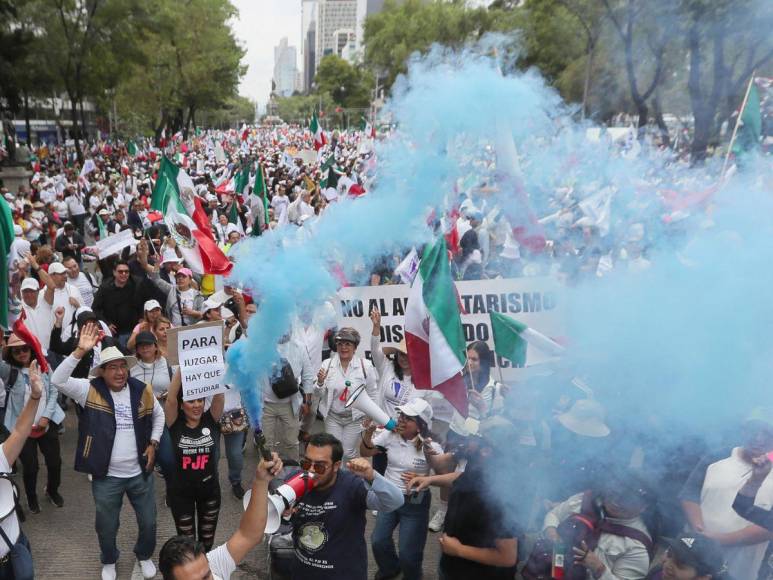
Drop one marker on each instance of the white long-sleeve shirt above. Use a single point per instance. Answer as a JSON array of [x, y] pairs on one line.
[[123, 459], [392, 391]]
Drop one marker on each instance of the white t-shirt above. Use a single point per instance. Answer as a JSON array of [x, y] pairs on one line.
[[123, 460], [10, 524], [62, 298], [84, 287], [75, 205], [403, 456], [40, 320], [221, 564]]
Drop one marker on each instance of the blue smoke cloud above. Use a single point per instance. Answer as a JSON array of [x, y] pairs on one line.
[[685, 340]]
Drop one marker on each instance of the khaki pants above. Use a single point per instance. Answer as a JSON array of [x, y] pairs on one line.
[[280, 426]]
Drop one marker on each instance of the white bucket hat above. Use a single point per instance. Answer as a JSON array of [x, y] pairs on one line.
[[586, 417], [108, 355]]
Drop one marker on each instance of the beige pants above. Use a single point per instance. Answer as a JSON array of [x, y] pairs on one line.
[[281, 426]]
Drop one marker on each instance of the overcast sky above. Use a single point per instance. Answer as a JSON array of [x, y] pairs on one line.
[[261, 24]]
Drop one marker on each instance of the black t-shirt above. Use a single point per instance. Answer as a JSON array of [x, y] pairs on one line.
[[475, 519], [194, 451], [329, 532]]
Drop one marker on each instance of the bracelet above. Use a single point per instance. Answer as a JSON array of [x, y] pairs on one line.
[[35, 398], [365, 445]]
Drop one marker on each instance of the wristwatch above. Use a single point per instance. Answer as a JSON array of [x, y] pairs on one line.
[[154, 443]]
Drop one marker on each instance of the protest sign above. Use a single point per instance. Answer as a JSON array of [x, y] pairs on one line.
[[199, 351], [535, 302], [116, 243]]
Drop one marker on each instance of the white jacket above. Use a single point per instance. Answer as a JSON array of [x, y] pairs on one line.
[[360, 370]]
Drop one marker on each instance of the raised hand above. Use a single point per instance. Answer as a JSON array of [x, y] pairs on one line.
[[88, 338], [375, 318], [36, 380], [361, 467]]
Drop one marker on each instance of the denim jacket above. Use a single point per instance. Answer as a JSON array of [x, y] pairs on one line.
[[15, 397]]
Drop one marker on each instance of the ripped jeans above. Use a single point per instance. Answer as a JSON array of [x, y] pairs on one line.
[[195, 509]]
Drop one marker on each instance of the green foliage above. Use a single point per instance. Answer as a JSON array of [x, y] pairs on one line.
[[298, 109], [347, 85]]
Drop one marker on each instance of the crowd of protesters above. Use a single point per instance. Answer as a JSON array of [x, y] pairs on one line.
[[585, 502]]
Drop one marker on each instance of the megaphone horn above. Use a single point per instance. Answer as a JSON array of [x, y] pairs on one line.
[[360, 400], [283, 498]]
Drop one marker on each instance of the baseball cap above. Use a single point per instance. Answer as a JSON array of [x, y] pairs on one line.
[[184, 272], [145, 337], [150, 305], [30, 284], [210, 304], [417, 408], [57, 268], [700, 552]]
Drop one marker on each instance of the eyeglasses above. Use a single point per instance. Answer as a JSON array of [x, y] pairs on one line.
[[404, 417], [116, 367], [122, 271], [318, 467]]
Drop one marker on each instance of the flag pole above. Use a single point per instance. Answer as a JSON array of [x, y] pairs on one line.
[[737, 124]]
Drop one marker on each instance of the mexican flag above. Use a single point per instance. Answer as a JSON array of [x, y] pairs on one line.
[[433, 329], [188, 224], [131, 149], [319, 134], [749, 132], [260, 190], [511, 339], [241, 180], [6, 239]]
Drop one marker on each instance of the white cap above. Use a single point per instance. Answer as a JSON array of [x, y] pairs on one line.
[[417, 408], [30, 284], [151, 304], [210, 304], [57, 268]]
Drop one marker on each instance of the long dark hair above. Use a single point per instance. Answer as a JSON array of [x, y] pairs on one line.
[[485, 356], [398, 369]]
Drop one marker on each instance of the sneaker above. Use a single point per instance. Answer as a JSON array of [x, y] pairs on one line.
[[34, 505], [108, 572], [436, 523], [237, 490], [148, 568], [55, 498]]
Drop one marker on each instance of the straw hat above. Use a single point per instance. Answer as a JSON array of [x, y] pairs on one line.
[[109, 355], [586, 417]]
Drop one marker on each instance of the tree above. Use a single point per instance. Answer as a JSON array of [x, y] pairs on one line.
[[645, 29], [727, 40], [347, 85], [298, 109], [398, 31]]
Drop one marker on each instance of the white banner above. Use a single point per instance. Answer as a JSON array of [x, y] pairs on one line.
[[116, 243], [202, 364], [534, 301]]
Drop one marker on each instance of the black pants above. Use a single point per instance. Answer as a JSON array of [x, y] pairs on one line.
[[195, 509], [49, 447]]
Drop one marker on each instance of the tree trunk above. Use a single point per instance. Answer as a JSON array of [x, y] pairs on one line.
[[76, 129], [27, 118], [83, 119], [660, 121], [586, 86]]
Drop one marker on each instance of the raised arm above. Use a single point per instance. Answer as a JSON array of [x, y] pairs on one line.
[[379, 358], [76, 389], [216, 409], [21, 429], [253, 522], [171, 408]]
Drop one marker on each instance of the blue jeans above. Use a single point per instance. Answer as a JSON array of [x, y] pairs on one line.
[[234, 443], [108, 498], [413, 519]]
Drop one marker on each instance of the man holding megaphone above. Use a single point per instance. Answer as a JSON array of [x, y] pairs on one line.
[[329, 520]]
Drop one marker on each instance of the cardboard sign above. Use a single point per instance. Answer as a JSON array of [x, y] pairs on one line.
[[534, 301], [198, 349], [115, 243]]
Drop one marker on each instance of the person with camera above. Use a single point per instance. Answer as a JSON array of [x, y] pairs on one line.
[[193, 484], [410, 453], [183, 558], [329, 521], [118, 435], [603, 532]]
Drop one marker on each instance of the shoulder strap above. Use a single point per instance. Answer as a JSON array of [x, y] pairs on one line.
[[364, 372], [169, 370], [180, 307], [627, 532], [89, 278], [13, 374], [6, 538]]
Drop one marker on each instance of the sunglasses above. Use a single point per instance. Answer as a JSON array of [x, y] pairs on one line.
[[20, 349], [318, 467]]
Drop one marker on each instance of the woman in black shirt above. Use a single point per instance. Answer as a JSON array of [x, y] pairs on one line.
[[192, 486]]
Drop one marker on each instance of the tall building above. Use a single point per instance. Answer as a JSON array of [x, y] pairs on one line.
[[334, 17], [285, 69], [308, 43]]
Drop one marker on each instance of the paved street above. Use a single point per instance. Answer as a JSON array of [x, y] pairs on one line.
[[64, 544]]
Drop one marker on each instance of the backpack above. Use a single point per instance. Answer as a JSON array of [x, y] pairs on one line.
[[284, 384], [586, 526]]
